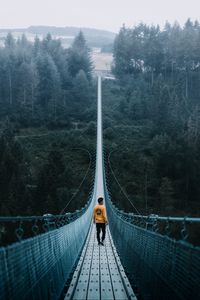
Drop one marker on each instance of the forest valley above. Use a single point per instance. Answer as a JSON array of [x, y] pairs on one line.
[[151, 116]]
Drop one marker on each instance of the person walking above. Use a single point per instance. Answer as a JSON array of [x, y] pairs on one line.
[[100, 219]]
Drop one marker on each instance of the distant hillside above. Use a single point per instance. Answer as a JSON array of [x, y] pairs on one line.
[[95, 37]]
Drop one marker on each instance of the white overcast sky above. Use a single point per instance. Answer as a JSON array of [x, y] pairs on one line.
[[103, 14]]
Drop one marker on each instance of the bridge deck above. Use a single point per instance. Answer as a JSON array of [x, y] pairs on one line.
[[99, 274]]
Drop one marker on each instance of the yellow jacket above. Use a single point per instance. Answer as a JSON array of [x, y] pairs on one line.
[[99, 214]]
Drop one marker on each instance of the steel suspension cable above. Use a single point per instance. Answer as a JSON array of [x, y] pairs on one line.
[[83, 180], [121, 188]]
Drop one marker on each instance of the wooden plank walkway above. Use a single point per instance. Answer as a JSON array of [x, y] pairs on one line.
[[99, 274]]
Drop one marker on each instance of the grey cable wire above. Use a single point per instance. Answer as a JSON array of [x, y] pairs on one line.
[[80, 185], [121, 188]]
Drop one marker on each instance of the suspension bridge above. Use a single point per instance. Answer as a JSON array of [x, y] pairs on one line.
[[65, 262]]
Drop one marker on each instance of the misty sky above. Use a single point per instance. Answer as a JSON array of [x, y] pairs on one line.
[[103, 14]]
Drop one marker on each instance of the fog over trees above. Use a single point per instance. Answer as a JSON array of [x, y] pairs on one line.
[[151, 114], [42, 85], [159, 101], [38, 81]]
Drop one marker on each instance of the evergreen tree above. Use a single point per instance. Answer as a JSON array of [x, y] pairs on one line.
[[81, 92], [10, 58], [10, 42], [79, 57], [122, 52], [48, 80]]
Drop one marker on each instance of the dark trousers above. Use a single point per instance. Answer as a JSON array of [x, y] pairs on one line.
[[99, 227]]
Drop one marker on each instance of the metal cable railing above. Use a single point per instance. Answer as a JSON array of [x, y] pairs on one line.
[[161, 266], [16, 229], [38, 267]]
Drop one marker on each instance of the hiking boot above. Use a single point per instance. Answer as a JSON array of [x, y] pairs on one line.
[[102, 243]]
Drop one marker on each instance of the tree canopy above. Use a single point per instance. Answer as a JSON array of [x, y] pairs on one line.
[[37, 80]]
